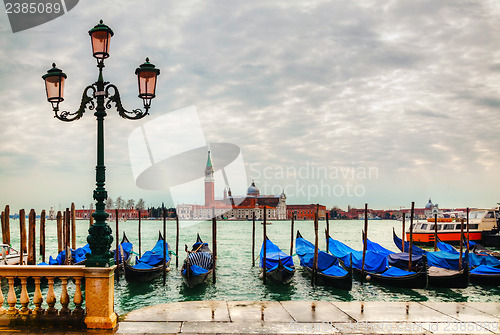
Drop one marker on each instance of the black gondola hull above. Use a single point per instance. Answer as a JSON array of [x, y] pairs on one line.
[[460, 279], [132, 274], [490, 280], [193, 280], [342, 283], [416, 280], [281, 274]]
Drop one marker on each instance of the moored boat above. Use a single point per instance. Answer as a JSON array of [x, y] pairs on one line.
[[150, 265], [198, 265], [329, 272], [279, 265], [377, 268]]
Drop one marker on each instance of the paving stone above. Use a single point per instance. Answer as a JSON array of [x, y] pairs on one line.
[[461, 311], [378, 311], [136, 327], [182, 311], [455, 327], [364, 327], [492, 308], [269, 311], [315, 311], [256, 327]]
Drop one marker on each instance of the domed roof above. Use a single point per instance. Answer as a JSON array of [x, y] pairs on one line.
[[253, 190], [429, 204]]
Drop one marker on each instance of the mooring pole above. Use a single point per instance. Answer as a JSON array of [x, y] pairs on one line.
[[32, 238], [68, 237], [410, 251], [73, 226], [253, 238], [42, 235], [435, 231], [264, 259], [59, 232], [139, 233], [214, 245], [164, 246], [177, 241], [365, 238], [316, 241], [461, 243], [22, 233], [468, 246], [7, 225], [403, 236], [291, 234], [117, 246], [327, 233]]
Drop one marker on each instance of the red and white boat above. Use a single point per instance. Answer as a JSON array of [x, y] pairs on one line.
[[448, 229]]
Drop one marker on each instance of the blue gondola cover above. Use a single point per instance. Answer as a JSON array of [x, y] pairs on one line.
[[273, 256], [327, 264], [154, 257]]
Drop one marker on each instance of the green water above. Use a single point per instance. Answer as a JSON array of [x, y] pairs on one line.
[[237, 280]]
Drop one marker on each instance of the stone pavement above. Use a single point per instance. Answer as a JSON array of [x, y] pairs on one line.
[[302, 317], [313, 317]]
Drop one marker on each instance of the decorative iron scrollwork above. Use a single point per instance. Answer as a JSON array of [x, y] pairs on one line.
[[133, 115], [86, 100]]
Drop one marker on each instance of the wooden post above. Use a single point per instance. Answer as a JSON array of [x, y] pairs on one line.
[[164, 247], [468, 229], [214, 248], [59, 232], [177, 242], [139, 233], [67, 233], [403, 236], [291, 235], [316, 241], [42, 235], [461, 243], [73, 226], [22, 234], [7, 225], [435, 231], [3, 227], [365, 238], [31, 238], [91, 220], [410, 251], [327, 233], [264, 259], [253, 238], [117, 246]]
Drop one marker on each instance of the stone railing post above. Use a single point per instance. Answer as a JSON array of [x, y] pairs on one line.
[[99, 298]]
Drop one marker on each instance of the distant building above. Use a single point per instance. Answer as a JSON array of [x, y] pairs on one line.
[[305, 212], [233, 207]]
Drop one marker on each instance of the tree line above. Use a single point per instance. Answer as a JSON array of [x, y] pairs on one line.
[[156, 212]]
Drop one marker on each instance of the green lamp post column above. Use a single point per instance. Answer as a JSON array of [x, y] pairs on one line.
[[103, 93]]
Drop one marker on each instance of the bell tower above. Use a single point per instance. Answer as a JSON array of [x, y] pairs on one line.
[[209, 182]]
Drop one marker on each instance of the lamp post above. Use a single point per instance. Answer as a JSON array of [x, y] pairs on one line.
[[102, 95]]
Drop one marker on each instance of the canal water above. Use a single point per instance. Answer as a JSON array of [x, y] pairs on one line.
[[237, 280]]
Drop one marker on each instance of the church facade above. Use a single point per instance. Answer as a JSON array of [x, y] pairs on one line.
[[234, 207]]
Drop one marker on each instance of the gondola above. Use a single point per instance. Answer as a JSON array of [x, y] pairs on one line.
[[377, 268], [279, 265], [484, 268], [329, 272], [150, 265], [443, 266], [125, 251], [198, 266]]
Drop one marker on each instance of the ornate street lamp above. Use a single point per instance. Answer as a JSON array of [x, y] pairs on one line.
[[102, 95]]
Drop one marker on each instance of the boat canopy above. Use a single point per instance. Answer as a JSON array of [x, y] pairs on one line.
[[274, 255], [327, 264], [399, 243], [153, 257], [475, 259], [486, 270], [77, 256], [374, 262]]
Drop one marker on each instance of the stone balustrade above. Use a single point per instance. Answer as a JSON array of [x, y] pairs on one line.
[[99, 303]]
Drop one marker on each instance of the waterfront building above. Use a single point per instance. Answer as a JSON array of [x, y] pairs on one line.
[[306, 212], [232, 207]]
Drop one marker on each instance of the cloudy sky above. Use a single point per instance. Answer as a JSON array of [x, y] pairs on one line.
[[335, 102]]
